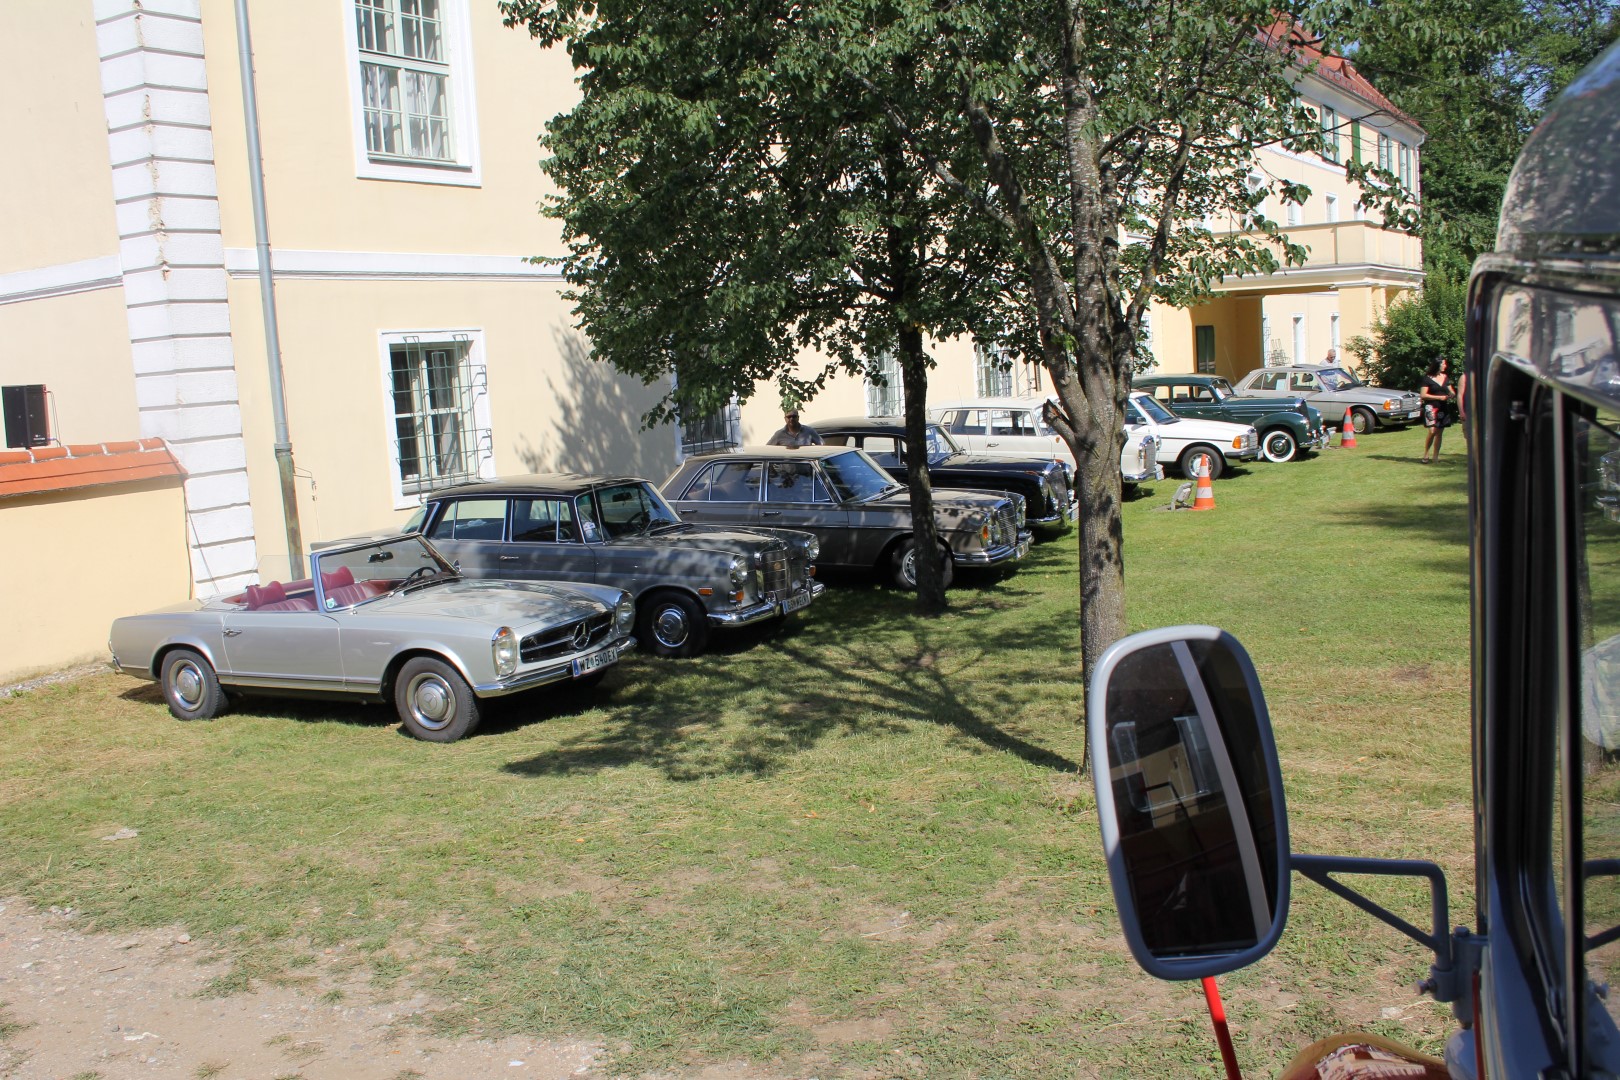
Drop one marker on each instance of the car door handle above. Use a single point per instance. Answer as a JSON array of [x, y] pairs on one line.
[[770, 513], [509, 558], [233, 633]]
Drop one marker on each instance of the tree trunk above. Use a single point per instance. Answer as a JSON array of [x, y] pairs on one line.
[[914, 378]]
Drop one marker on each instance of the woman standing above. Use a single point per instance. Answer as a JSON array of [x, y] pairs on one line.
[[1436, 392]]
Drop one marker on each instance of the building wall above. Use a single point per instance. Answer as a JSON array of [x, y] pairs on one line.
[[110, 551]]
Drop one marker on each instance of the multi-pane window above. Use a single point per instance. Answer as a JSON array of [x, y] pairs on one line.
[[437, 441], [1386, 153], [719, 430], [404, 79], [1405, 167], [885, 395], [1330, 134], [992, 372]]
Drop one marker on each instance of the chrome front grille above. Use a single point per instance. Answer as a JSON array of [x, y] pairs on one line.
[[776, 575], [561, 640], [1005, 530]]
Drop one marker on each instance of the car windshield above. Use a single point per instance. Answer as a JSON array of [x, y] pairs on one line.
[[854, 477], [1155, 412], [414, 525], [1339, 379], [1222, 389], [631, 510], [940, 441], [387, 565]]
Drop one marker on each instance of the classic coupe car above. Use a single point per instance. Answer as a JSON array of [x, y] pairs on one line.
[[618, 531], [1042, 481], [862, 517], [1335, 391], [384, 620], [1288, 427]]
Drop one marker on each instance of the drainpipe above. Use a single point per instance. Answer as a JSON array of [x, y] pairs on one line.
[[267, 297]]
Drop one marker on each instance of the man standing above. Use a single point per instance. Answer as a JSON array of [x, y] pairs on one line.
[[794, 434]]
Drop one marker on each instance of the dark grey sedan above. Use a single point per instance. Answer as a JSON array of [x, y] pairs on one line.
[[862, 517], [618, 531]]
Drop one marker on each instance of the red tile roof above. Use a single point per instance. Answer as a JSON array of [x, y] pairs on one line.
[[1333, 70], [61, 468]]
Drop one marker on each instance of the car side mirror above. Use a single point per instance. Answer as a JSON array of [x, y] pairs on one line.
[[1189, 801]]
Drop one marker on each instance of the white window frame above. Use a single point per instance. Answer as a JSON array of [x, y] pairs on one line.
[[729, 415], [889, 365], [1386, 153], [1404, 172], [478, 375], [464, 169], [1330, 133], [1332, 208], [1333, 334], [1294, 214], [987, 360], [1299, 338]]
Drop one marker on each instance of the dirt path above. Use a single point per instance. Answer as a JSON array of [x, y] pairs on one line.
[[124, 1005]]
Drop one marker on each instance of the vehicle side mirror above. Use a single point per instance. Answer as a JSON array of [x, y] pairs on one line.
[[1189, 800]]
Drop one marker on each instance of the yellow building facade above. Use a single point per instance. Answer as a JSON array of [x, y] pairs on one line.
[[414, 343]]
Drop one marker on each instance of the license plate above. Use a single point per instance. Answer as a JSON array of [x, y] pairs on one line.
[[1023, 549], [601, 658], [795, 602]]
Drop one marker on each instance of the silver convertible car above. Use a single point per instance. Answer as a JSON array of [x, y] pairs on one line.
[[384, 620]]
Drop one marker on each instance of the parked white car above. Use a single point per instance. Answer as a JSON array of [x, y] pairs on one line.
[[1013, 425], [1182, 439]]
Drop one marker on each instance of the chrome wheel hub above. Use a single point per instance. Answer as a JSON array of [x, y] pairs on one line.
[[432, 703], [188, 685], [670, 627]]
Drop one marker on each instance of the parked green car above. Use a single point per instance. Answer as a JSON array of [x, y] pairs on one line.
[[1288, 427]]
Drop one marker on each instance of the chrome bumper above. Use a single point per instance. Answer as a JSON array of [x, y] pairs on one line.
[[994, 556], [550, 673], [765, 609]]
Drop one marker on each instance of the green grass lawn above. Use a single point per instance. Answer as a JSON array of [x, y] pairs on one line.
[[856, 847]]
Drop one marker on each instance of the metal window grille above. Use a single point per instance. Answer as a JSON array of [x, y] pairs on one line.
[[404, 79], [436, 440], [719, 430], [993, 373], [885, 395]]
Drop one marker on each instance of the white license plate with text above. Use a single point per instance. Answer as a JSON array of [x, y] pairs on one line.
[[601, 658], [795, 602]]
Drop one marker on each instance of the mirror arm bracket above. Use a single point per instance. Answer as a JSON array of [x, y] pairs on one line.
[[1446, 982]]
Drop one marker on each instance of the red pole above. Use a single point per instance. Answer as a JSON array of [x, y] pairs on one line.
[[1217, 1016]]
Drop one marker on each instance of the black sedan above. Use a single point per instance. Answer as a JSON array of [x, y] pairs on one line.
[[1043, 482]]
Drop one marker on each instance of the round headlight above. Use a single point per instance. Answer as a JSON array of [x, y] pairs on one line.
[[812, 548], [624, 615], [504, 651], [738, 571]]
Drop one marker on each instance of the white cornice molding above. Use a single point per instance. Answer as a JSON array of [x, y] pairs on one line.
[[388, 266], [63, 279], [1334, 276]]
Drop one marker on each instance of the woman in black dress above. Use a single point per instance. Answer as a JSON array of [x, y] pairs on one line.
[[1436, 391]]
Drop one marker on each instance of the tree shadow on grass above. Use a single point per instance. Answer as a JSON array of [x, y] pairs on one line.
[[749, 714]]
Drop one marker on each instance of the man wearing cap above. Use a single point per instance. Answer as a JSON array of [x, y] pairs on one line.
[[794, 434]]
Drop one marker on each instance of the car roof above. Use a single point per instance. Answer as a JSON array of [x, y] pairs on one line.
[[559, 483], [1299, 367], [1177, 376], [989, 403], [774, 451], [885, 424]]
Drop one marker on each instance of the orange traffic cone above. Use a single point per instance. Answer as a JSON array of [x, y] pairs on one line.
[[1205, 499], [1347, 437]]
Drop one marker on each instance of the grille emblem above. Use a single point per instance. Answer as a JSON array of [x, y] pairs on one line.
[[582, 635]]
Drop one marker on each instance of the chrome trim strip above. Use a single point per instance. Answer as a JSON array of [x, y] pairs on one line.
[[762, 610]]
